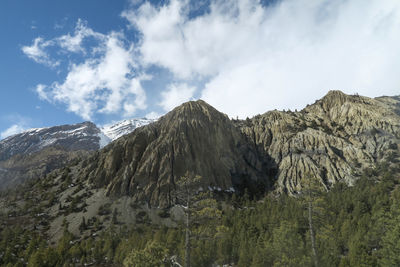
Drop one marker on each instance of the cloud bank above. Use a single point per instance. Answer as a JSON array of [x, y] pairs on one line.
[[258, 58], [242, 57]]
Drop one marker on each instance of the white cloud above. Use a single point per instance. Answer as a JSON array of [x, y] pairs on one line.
[[257, 58], [37, 52], [67, 43], [14, 129], [243, 57], [73, 43], [153, 115], [175, 95], [105, 82], [40, 90]]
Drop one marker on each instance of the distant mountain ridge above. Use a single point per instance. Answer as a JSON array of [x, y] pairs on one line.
[[331, 140], [37, 151], [81, 136]]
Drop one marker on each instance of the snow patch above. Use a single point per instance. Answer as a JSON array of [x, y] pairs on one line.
[[116, 130], [47, 142], [104, 139]]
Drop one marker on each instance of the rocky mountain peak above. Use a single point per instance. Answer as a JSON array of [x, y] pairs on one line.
[[195, 110], [193, 137], [335, 99], [332, 139]]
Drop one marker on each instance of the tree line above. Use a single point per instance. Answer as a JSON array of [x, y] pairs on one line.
[[347, 226]]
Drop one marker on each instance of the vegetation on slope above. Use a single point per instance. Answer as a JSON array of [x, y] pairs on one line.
[[354, 226]]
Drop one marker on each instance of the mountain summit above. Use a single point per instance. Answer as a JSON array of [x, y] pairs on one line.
[[332, 139], [193, 137]]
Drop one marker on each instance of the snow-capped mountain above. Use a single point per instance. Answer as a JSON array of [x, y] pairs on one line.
[[82, 136], [35, 152], [116, 130]]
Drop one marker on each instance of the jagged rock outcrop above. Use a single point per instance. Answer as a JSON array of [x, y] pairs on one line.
[[332, 140], [193, 137]]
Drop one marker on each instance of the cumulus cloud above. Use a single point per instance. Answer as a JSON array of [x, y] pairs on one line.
[[152, 115], [41, 91], [73, 43], [67, 43], [105, 82], [37, 52], [242, 57], [255, 58], [13, 129], [175, 95]]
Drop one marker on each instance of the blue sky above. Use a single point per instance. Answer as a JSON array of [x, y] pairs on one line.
[[20, 23], [70, 61]]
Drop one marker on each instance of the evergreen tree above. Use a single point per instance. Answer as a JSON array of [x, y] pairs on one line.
[[83, 226], [391, 240], [200, 209], [312, 198], [154, 255]]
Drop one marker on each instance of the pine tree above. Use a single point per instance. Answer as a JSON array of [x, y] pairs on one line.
[[114, 219], [200, 209], [153, 255], [83, 226], [312, 198], [391, 240]]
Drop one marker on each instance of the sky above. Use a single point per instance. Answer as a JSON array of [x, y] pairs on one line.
[[69, 61]]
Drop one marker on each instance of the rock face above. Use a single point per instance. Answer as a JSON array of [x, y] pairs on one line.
[[193, 137], [332, 140]]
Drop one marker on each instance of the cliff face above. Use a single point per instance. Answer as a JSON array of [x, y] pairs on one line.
[[194, 137], [332, 140]]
